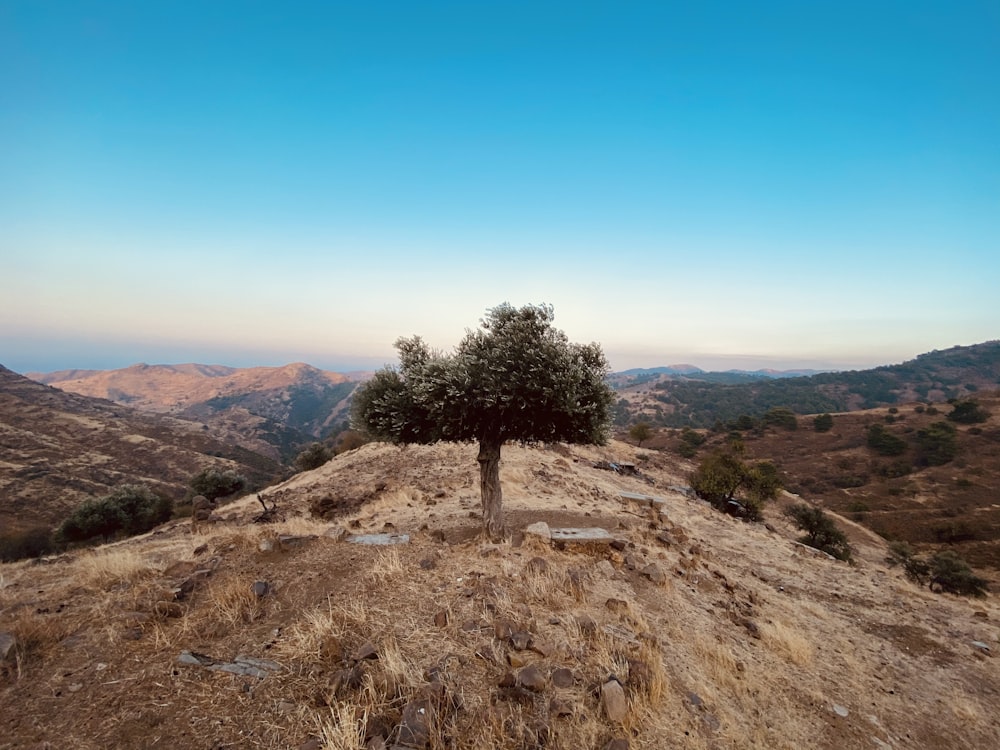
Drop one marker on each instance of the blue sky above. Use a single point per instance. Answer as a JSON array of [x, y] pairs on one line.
[[731, 184]]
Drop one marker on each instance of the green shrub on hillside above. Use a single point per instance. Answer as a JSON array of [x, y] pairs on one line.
[[821, 532], [780, 416], [215, 483], [313, 457], [944, 571], [823, 423], [884, 442], [735, 486], [129, 510], [640, 432], [968, 412], [936, 444]]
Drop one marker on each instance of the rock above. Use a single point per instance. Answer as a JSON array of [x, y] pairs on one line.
[[541, 648], [415, 727], [520, 640], [379, 540], [664, 538], [336, 533], [313, 743], [980, 614], [261, 589], [538, 565], [441, 618], [560, 708], [655, 574], [290, 542], [428, 563], [7, 644], [586, 535], [508, 680], [347, 679], [613, 701], [619, 545], [619, 606], [695, 700], [266, 545], [562, 677], [617, 744], [516, 660], [539, 529], [841, 711], [366, 652], [586, 624], [201, 549], [502, 630], [984, 647], [632, 562], [532, 678], [517, 539], [438, 536], [605, 569]]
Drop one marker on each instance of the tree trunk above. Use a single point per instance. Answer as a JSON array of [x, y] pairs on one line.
[[489, 487]]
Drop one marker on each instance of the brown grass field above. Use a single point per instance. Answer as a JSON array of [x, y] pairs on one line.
[[751, 641]]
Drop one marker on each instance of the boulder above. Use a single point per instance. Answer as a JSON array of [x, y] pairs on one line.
[[613, 701]]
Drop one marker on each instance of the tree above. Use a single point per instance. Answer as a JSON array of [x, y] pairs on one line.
[[780, 416], [936, 444], [516, 379], [215, 483], [823, 423], [968, 412], [944, 571], [640, 432], [821, 532], [884, 442], [130, 509], [313, 457], [724, 478]]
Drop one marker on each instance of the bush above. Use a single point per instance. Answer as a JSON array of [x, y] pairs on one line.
[[968, 412], [884, 442], [313, 457], [640, 432], [823, 423], [779, 416], [944, 571], [32, 542], [215, 483], [129, 510], [821, 532], [734, 486], [936, 444]]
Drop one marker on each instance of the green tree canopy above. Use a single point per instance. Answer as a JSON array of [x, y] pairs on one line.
[[724, 477], [821, 532], [516, 379], [640, 432]]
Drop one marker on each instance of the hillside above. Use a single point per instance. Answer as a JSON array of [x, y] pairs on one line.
[[691, 630], [59, 448], [272, 410], [702, 399]]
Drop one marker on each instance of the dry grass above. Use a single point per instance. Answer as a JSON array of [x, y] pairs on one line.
[[787, 641], [232, 601], [107, 568]]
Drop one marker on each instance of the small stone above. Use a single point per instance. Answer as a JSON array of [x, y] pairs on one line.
[[560, 708], [366, 652], [520, 640], [539, 529], [541, 648], [617, 744], [664, 538], [201, 549], [469, 625], [655, 574], [438, 536], [532, 678], [313, 743], [984, 647], [517, 539], [508, 680], [375, 743], [613, 701], [980, 614], [586, 624], [261, 589], [605, 568], [428, 563], [286, 707], [562, 677], [695, 700], [288, 541], [617, 605], [441, 618], [841, 711], [266, 545], [415, 727], [502, 630], [516, 660], [632, 562]]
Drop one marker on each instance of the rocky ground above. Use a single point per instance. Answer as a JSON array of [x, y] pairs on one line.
[[680, 627]]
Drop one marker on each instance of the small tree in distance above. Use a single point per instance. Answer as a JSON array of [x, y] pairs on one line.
[[724, 478], [516, 379], [823, 423], [640, 432]]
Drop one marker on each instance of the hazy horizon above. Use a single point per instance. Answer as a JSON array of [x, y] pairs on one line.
[[778, 184]]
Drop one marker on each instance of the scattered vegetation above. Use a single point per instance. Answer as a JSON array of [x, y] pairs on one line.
[[821, 532], [691, 440], [885, 443], [823, 422], [936, 444], [781, 416], [968, 412]]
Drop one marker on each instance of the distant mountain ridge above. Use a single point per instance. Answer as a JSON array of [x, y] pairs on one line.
[[61, 448], [275, 410]]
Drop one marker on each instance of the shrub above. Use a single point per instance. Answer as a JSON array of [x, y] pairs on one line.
[[936, 444], [944, 571], [735, 486], [640, 432], [313, 457], [33, 542], [129, 510], [821, 532], [214, 483], [968, 412], [780, 416], [884, 442], [823, 423]]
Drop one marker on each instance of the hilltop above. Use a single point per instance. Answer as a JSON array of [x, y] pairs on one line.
[[60, 448], [715, 633], [271, 410]]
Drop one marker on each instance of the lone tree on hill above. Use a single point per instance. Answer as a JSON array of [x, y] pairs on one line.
[[517, 379]]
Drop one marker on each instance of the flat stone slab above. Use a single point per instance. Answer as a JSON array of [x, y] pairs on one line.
[[379, 540], [650, 500], [592, 534]]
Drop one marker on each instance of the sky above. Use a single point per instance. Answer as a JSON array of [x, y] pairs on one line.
[[727, 184]]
